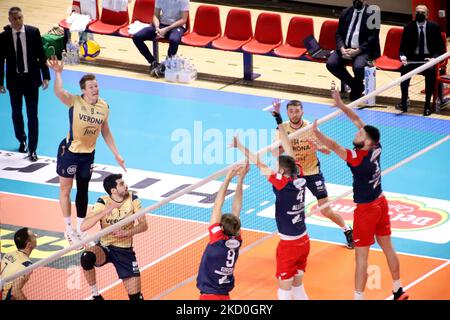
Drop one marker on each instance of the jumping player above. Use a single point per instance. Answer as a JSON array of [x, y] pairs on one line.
[[289, 189], [215, 278], [305, 150], [371, 216], [88, 116], [116, 247]]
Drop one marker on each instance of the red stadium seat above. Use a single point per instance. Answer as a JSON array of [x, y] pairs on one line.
[[268, 34], [390, 60], [327, 38], [65, 25], [142, 11], [206, 28], [299, 28], [238, 31], [441, 77], [110, 22]]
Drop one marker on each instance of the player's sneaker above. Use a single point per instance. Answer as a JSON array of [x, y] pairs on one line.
[[349, 236], [71, 236], [99, 297], [400, 295]]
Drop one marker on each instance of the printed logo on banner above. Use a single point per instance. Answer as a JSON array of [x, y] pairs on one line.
[[406, 214]]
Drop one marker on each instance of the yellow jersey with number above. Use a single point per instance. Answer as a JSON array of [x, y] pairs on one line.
[[86, 122], [305, 154], [12, 263], [130, 206]]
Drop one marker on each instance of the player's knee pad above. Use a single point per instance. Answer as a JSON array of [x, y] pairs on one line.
[[137, 296], [87, 260]]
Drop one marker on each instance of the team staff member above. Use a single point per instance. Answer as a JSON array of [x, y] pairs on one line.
[[26, 71], [88, 117]]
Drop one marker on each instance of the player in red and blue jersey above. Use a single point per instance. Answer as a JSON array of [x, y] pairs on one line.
[[371, 216], [289, 189], [215, 278]]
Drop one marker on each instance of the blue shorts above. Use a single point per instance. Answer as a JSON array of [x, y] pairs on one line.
[[123, 259], [69, 164], [316, 184]]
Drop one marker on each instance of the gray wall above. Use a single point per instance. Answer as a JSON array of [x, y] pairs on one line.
[[397, 6]]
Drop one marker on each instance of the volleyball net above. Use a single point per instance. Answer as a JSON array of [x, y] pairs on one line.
[[169, 252]]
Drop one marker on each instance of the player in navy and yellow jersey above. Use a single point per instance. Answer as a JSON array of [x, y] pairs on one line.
[[116, 247], [371, 216], [289, 189], [305, 150], [88, 117], [16, 261], [215, 277]]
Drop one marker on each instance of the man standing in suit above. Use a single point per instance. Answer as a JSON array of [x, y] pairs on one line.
[[421, 41], [21, 47], [357, 41]]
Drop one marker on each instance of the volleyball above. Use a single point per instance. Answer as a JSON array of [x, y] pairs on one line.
[[89, 49]]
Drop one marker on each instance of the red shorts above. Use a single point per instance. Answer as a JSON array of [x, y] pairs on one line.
[[291, 257], [370, 220], [214, 297]]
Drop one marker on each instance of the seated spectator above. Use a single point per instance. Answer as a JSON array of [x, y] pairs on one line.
[[421, 41], [169, 21], [357, 41]]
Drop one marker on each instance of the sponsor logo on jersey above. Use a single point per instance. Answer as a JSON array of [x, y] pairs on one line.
[[232, 244]]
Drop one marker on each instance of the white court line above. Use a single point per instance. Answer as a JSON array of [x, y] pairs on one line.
[[412, 284], [247, 229]]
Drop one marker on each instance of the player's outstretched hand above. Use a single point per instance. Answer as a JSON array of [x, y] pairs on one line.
[[55, 64], [315, 128], [337, 99], [121, 162], [234, 171], [276, 104], [235, 143]]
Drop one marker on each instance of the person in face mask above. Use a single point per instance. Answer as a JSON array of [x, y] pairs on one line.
[[357, 42], [421, 41]]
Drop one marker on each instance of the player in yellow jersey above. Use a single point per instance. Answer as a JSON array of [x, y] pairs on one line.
[[16, 261], [88, 117], [305, 149], [116, 247]]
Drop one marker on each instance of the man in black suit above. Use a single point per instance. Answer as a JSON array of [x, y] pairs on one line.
[[21, 46], [421, 41], [357, 41]]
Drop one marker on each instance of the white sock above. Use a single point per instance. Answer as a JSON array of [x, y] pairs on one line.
[[79, 222], [94, 290], [358, 295], [284, 294], [68, 222], [299, 293], [397, 285], [345, 227]]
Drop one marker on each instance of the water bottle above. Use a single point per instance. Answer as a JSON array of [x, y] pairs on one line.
[[333, 86], [69, 52], [65, 57], [76, 53]]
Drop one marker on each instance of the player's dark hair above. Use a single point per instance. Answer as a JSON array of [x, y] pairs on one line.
[[231, 224], [21, 238], [13, 10], [294, 103], [110, 182], [373, 133], [85, 78], [288, 164]]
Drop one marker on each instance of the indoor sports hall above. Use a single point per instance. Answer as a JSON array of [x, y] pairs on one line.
[[174, 138]]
